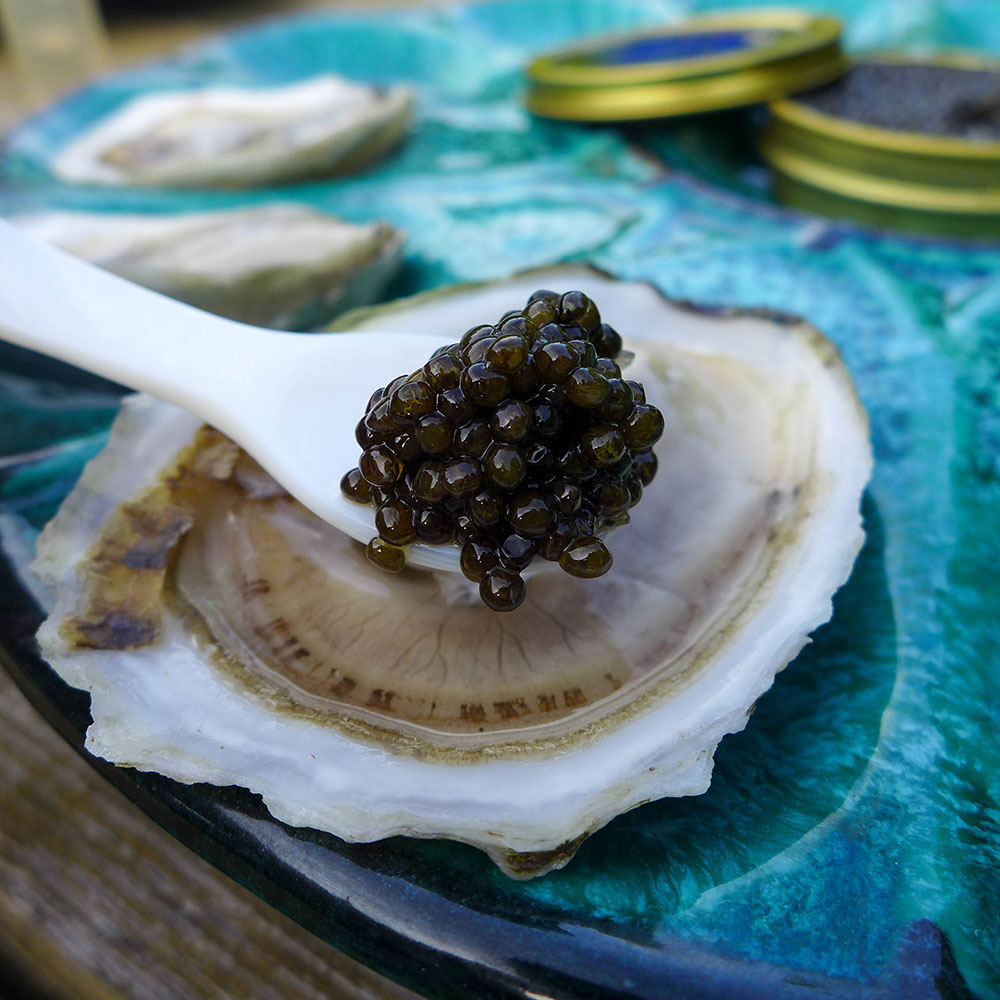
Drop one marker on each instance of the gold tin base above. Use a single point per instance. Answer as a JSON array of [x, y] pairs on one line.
[[799, 195]]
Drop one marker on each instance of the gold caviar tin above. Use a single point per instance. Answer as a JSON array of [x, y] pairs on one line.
[[703, 64], [905, 179]]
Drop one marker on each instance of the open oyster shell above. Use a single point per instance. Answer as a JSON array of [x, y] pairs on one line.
[[280, 265], [227, 635], [232, 137]]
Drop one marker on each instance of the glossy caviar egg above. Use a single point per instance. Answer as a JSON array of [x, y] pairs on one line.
[[406, 447], [394, 521], [602, 444], [508, 354], [355, 486], [619, 402], [586, 387], [609, 497], [487, 507], [608, 368], [434, 433], [551, 333], [512, 420], [552, 545], [541, 463], [380, 420], [516, 551], [644, 463], [504, 465], [568, 495], [428, 482], [476, 333], [546, 419], [643, 426], [380, 466], [502, 590], [526, 380], [577, 309], [365, 436], [555, 360], [585, 350], [374, 398], [434, 526], [586, 557], [477, 559], [443, 372], [607, 341], [454, 407], [484, 385], [477, 351], [411, 401], [385, 556], [514, 326], [538, 312], [473, 439], [531, 513], [462, 478]]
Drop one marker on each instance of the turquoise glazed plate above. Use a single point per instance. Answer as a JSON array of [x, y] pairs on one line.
[[848, 846]]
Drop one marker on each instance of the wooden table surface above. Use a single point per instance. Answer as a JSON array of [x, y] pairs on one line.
[[96, 901]]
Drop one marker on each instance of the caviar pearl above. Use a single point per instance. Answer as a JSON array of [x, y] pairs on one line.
[[502, 590], [385, 556], [586, 557]]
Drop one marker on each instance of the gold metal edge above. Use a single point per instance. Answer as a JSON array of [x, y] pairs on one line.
[[691, 96], [880, 191], [815, 32]]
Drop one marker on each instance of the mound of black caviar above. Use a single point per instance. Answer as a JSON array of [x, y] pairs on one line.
[[521, 440]]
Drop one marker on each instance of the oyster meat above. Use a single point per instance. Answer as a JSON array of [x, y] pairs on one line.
[[227, 635], [280, 265], [233, 137]]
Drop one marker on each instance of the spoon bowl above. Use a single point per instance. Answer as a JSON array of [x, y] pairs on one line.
[[290, 400]]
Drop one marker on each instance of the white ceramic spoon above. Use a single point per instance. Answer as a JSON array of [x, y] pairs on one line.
[[291, 400]]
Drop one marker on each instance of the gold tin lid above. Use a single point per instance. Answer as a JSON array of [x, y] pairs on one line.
[[838, 166], [704, 64]]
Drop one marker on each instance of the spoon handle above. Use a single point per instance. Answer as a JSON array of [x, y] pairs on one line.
[[57, 305]]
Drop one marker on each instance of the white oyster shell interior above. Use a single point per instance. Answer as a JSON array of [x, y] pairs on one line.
[[229, 136], [369, 705]]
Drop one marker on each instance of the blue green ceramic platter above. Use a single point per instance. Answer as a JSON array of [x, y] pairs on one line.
[[848, 846]]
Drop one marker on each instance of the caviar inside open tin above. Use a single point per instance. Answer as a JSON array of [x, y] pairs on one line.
[[900, 142]]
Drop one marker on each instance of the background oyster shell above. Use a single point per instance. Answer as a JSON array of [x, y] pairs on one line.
[[281, 265], [226, 635], [230, 137]]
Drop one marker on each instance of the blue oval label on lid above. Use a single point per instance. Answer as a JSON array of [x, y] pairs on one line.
[[677, 47]]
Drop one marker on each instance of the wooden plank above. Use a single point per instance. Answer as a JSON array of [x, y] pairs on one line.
[[99, 903]]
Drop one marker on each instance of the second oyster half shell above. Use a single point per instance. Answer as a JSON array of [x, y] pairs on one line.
[[282, 265], [239, 137]]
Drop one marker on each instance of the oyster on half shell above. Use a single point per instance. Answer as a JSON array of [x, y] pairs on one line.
[[281, 265], [239, 137], [227, 635]]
